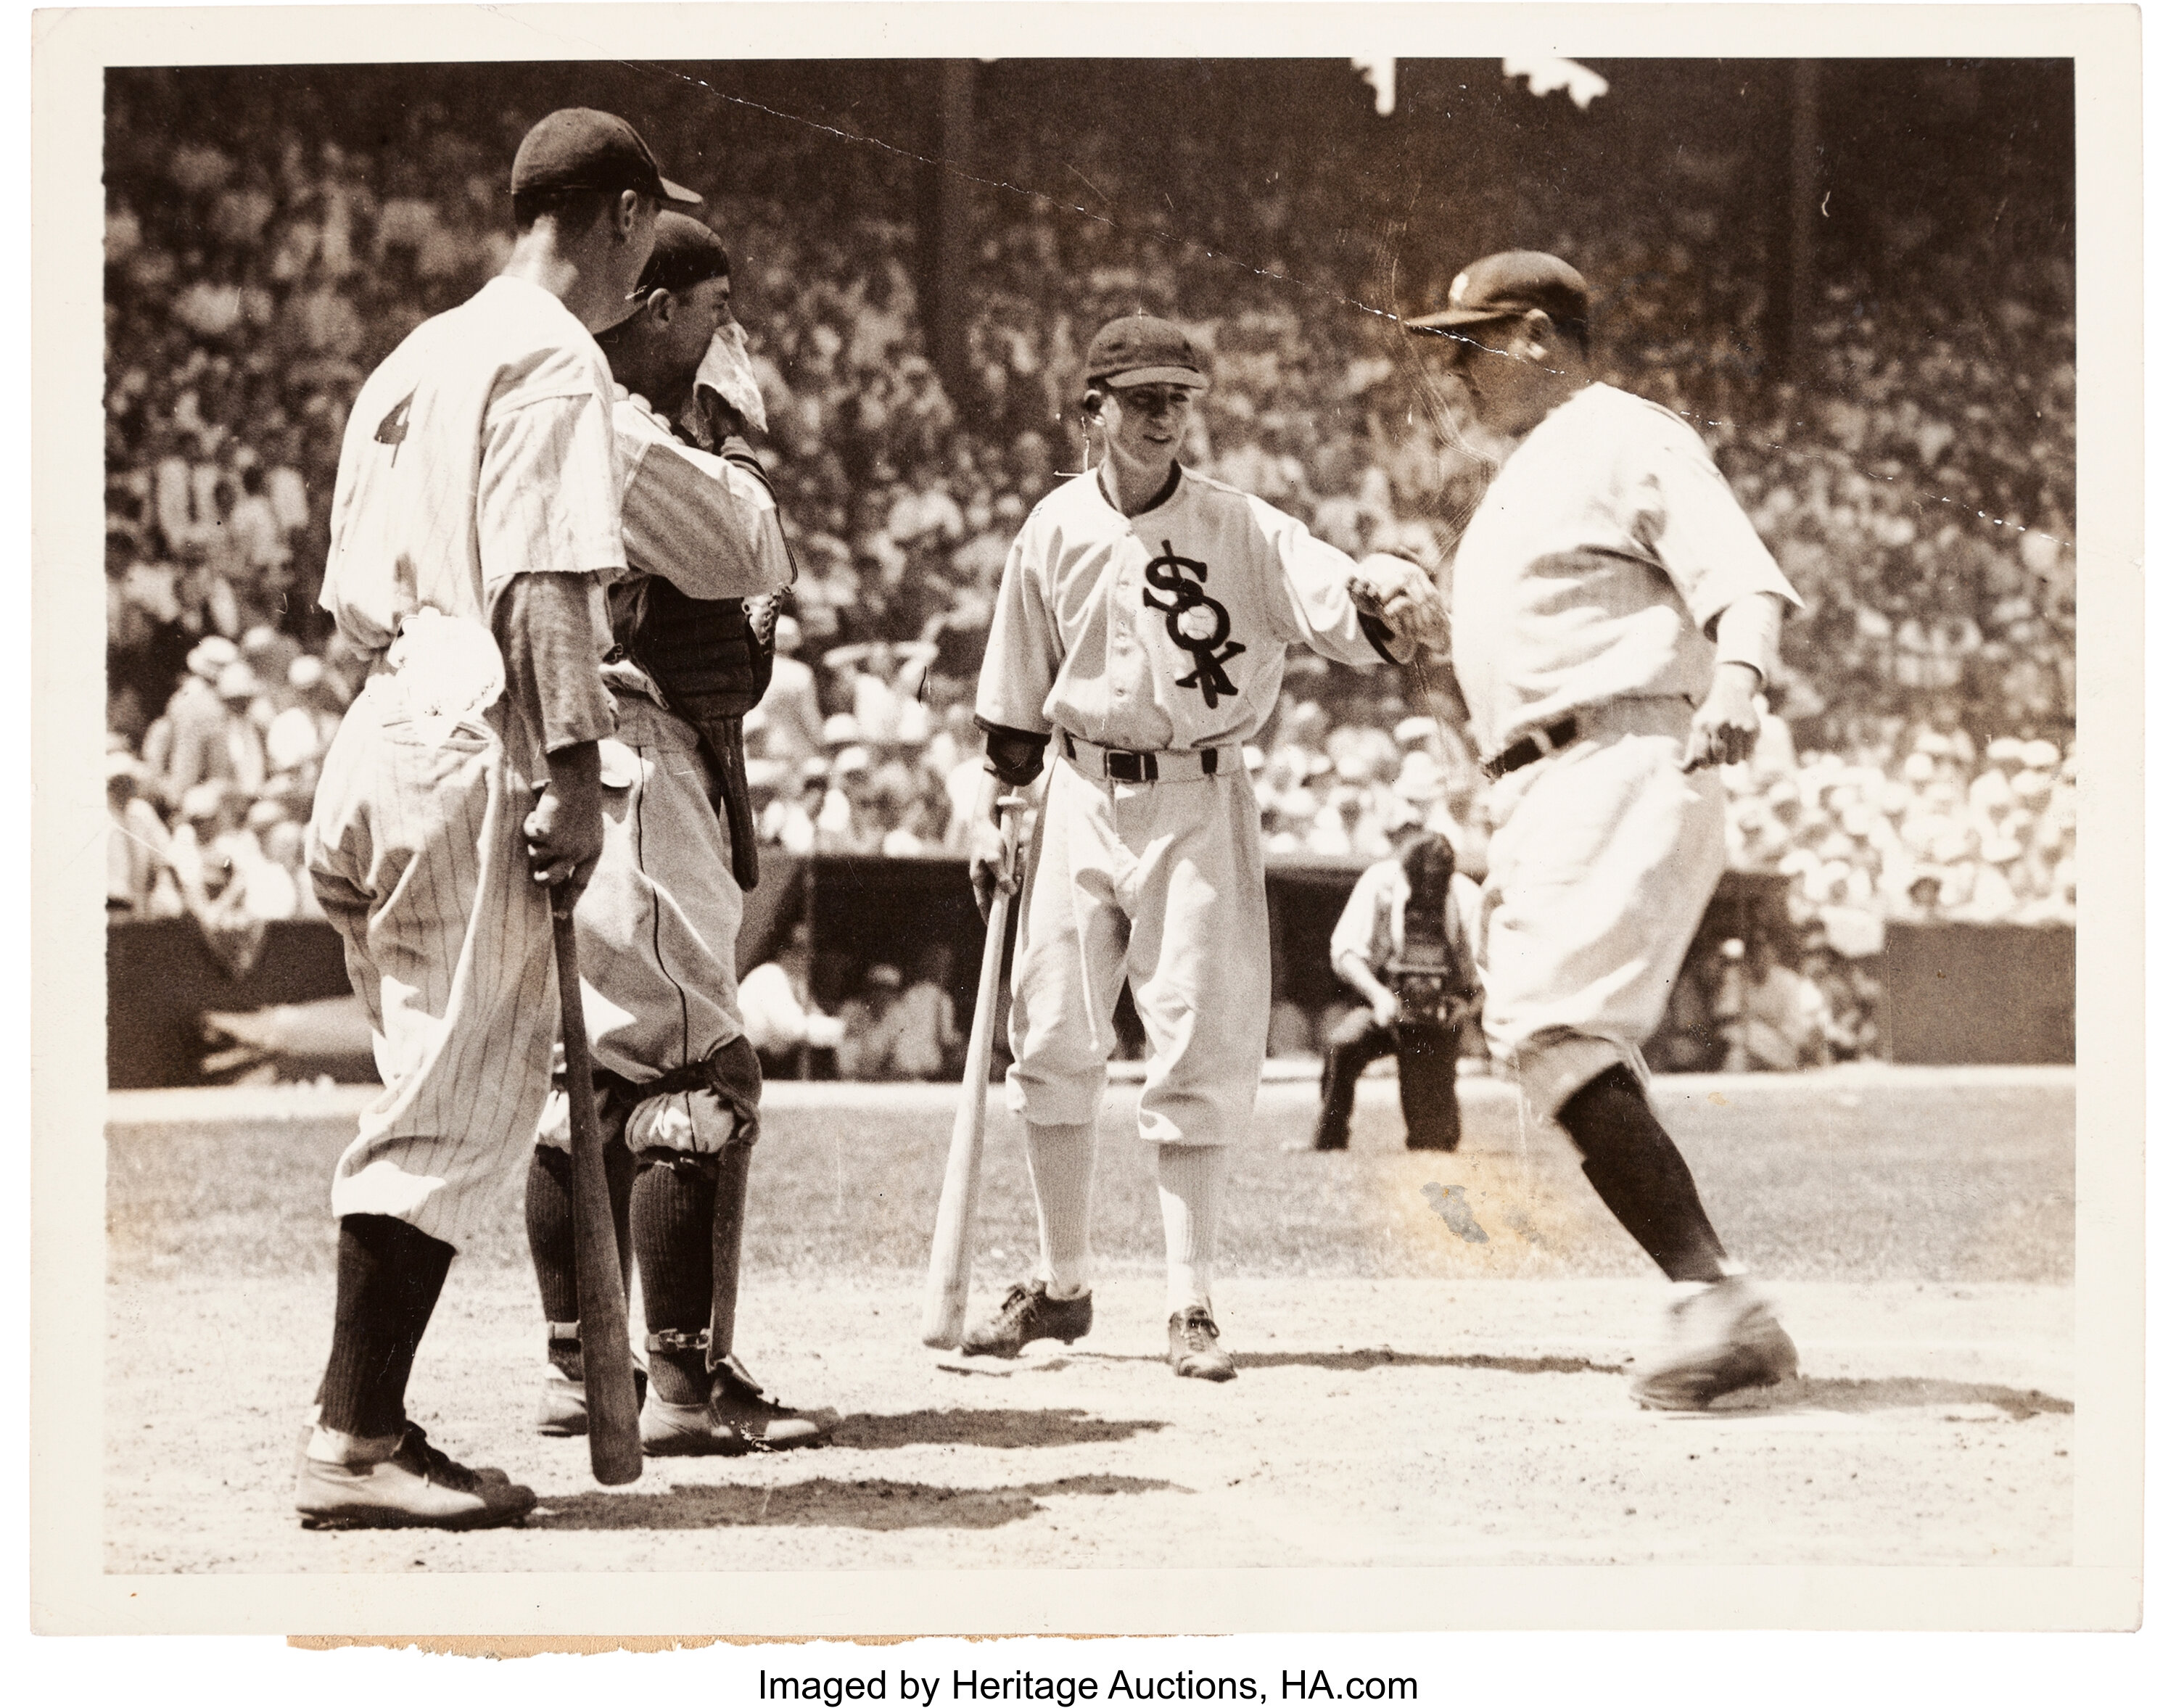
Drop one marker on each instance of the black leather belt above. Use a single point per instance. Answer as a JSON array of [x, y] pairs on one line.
[[1123, 767], [1527, 749]]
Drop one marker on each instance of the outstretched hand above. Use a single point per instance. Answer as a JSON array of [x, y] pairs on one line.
[[1403, 596]]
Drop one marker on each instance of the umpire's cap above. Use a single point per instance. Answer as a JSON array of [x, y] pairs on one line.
[[687, 252], [1141, 350], [579, 148], [1502, 287]]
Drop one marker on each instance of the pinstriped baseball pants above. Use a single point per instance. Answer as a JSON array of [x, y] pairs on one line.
[[414, 848]]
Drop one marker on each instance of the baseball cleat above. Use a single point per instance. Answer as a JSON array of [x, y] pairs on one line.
[[738, 1417], [563, 1407], [1721, 1338], [1194, 1348], [1027, 1314], [418, 1487], [486, 1473]]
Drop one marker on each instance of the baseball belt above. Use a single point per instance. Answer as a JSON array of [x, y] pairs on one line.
[[1528, 748], [1120, 766]]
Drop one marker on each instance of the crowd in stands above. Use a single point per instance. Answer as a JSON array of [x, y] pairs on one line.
[[1916, 484]]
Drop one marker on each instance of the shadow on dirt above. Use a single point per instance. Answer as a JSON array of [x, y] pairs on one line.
[[1372, 1359], [986, 1428], [1899, 1393], [824, 1503]]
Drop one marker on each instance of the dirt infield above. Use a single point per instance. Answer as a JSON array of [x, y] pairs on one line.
[[1410, 1393]]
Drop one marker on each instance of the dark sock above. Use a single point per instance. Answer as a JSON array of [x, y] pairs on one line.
[[550, 1206], [390, 1277], [674, 1197], [1636, 1167]]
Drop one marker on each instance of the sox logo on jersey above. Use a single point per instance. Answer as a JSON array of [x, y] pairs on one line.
[[1196, 621]]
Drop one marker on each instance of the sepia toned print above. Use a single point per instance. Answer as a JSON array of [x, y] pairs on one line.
[[1608, 529]]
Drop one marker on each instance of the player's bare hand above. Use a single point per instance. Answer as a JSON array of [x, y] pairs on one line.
[[1384, 1007], [989, 869], [565, 832], [1402, 596], [1728, 722]]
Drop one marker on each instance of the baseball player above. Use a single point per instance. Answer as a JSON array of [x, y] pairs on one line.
[[1612, 616], [1140, 635], [677, 1081], [475, 510], [1401, 944]]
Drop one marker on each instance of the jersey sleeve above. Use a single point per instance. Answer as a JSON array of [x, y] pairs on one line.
[[547, 497], [1310, 602], [706, 525], [1020, 665], [1687, 515], [1354, 933]]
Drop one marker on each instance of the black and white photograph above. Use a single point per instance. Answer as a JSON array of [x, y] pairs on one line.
[[1019, 809]]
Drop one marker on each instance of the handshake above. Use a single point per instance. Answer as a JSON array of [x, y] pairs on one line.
[[1401, 596]]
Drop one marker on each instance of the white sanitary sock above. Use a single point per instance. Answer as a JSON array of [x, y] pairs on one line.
[[1061, 1164], [1190, 1185]]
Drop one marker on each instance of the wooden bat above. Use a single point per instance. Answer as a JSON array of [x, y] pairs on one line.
[[951, 1255], [607, 1363]]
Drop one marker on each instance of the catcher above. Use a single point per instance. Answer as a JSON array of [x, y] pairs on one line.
[[677, 1081], [1401, 944]]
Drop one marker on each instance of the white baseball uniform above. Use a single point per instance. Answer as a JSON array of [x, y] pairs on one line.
[[657, 925], [480, 449], [1162, 634], [1588, 583]]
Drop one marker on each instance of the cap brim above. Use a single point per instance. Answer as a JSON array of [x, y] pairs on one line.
[[679, 193], [1459, 317], [1158, 376]]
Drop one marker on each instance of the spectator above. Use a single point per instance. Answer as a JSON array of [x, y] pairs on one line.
[[780, 1014]]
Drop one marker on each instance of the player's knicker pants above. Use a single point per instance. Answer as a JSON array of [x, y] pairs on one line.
[[656, 931], [1159, 885], [415, 851], [1602, 860]]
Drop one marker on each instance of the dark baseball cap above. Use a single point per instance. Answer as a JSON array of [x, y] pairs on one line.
[[687, 252], [1141, 350], [579, 148], [1502, 287]]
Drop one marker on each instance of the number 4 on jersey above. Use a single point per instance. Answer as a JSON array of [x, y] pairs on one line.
[[394, 427]]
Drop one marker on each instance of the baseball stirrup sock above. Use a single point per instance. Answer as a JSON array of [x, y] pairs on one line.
[[548, 1208], [1061, 1166], [1190, 1188], [675, 1198], [390, 1275], [726, 1219], [1636, 1167]]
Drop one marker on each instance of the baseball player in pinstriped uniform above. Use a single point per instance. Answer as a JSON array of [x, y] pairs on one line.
[[1612, 615], [1140, 633], [477, 506], [677, 1081]]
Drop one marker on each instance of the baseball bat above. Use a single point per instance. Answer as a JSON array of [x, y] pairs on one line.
[[951, 1257], [607, 1362]]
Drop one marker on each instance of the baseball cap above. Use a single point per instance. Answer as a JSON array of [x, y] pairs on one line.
[[686, 252], [1503, 287], [1141, 350], [579, 148]]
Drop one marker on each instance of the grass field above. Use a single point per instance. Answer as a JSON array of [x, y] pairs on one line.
[[1416, 1386]]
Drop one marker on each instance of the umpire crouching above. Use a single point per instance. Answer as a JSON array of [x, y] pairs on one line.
[[1401, 944]]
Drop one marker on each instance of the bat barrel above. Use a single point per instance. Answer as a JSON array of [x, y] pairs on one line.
[[615, 1432], [951, 1258]]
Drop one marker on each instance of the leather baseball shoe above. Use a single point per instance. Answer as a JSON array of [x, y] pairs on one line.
[[1194, 1348], [738, 1417], [485, 1473], [417, 1488], [1721, 1338], [1027, 1314], [563, 1406]]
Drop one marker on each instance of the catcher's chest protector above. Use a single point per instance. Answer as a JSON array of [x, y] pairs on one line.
[[711, 664], [1431, 973]]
